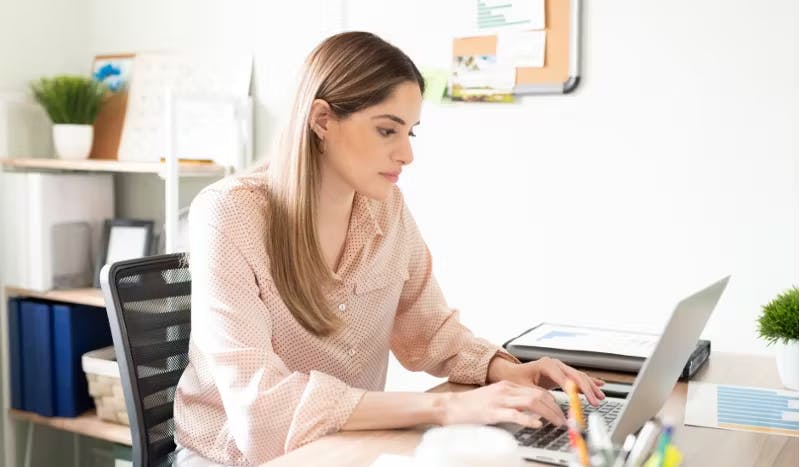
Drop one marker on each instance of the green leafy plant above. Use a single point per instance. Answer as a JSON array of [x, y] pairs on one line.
[[70, 99], [779, 320]]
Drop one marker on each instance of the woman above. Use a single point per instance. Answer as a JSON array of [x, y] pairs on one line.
[[306, 273]]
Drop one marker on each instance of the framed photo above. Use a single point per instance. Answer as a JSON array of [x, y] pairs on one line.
[[123, 239], [113, 70]]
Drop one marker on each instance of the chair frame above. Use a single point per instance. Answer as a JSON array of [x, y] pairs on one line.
[[122, 347]]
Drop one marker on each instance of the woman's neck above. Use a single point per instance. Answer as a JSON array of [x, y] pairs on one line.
[[335, 201]]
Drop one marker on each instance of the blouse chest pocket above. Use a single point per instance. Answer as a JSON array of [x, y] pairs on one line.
[[377, 281]]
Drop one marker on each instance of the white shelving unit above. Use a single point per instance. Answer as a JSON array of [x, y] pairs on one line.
[[171, 171]]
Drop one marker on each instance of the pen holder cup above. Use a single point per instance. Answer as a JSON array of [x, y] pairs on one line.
[[597, 458]]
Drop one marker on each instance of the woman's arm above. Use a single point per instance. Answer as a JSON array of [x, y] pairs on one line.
[[389, 410], [427, 335], [496, 403]]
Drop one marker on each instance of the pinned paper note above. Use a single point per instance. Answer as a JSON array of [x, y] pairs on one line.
[[435, 84], [480, 78], [493, 15], [521, 48]]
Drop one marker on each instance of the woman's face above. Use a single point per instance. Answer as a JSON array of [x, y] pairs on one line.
[[368, 149]]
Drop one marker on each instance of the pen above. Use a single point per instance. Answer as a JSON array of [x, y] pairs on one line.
[[672, 458], [575, 404], [663, 442], [626, 449], [643, 445], [577, 442], [599, 438]]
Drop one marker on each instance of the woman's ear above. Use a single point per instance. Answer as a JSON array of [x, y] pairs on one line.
[[319, 118]]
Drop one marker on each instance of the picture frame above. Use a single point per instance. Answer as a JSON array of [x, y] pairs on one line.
[[123, 239], [113, 70]]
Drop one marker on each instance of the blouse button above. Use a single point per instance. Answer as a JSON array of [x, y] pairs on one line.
[[342, 307], [351, 352]]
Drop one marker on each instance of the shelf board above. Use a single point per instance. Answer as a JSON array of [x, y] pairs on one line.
[[185, 168], [91, 297], [88, 424]]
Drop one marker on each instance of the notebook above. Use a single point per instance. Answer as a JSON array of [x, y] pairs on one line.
[[602, 349]]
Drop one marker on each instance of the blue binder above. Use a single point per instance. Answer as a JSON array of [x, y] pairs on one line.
[[37, 364], [15, 355], [77, 329]]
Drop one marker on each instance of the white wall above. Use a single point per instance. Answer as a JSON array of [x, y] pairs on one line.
[[42, 37], [674, 164]]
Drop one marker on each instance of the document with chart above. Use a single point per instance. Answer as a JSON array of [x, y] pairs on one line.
[[742, 408]]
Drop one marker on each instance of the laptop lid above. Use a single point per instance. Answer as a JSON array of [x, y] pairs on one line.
[[660, 372]]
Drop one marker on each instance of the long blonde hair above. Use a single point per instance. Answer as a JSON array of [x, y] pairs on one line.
[[350, 71]]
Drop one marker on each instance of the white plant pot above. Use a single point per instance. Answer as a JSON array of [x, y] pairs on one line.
[[73, 141], [786, 358]]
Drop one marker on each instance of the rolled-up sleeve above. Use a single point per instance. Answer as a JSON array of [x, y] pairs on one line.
[[270, 410], [427, 335]]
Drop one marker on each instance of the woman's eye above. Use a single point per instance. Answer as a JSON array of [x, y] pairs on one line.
[[386, 131], [412, 134]]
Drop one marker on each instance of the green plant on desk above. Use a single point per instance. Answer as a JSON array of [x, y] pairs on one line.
[[779, 319], [778, 324]]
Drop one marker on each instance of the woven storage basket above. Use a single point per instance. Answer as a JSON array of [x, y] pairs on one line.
[[102, 373]]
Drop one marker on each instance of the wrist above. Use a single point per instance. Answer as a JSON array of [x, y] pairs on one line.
[[441, 404], [499, 369]]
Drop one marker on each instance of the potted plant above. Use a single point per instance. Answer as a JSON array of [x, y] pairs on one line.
[[72, 102], [778, 324]]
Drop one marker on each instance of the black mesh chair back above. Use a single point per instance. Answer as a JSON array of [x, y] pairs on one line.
[[148, 304]]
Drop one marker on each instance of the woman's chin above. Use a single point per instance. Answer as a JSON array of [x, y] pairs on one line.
[[379, 193]]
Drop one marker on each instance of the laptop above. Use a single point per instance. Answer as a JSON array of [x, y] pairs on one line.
[[653, 385]]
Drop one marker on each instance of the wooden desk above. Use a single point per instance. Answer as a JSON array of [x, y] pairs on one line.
[[700, 446]]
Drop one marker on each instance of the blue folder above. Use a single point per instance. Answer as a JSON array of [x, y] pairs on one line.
[[15, 354], [77, 329], [37, 364]]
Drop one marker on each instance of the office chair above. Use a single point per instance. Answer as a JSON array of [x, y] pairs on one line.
[[149, 309]]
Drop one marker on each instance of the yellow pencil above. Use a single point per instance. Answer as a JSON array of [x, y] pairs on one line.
[[575, 404]]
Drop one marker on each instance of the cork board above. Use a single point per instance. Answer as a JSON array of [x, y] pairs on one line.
[[560, 73]]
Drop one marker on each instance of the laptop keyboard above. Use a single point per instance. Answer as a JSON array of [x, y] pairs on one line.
[[555, 438]]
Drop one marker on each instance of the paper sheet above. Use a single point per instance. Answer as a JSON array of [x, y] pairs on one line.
[[494, 15], [521, 48], [742, 408], [553, 336]]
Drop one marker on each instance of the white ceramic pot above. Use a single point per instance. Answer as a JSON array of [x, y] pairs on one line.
[[786, 358], [73, 141]]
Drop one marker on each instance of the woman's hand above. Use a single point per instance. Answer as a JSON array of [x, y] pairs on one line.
[[547, 373], [501, 402]]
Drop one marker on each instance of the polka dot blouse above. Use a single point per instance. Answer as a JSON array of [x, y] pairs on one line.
[[258, 384]]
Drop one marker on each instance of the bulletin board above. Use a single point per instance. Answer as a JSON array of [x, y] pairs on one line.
[[561, 71]]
